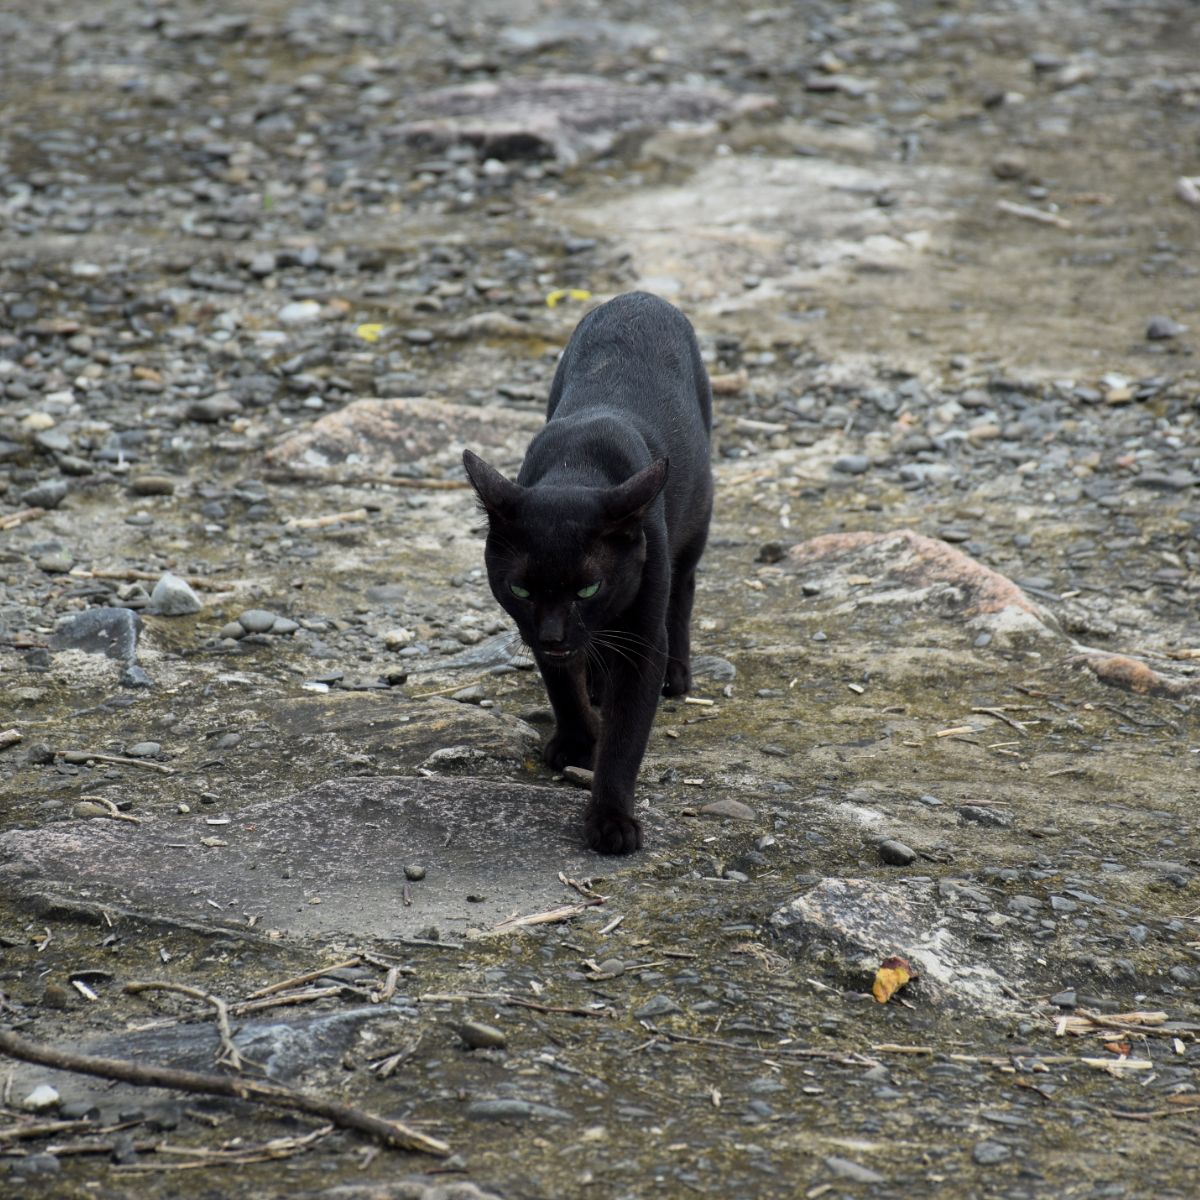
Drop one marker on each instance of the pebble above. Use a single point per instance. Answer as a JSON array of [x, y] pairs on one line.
[[896, 854], [299, 312], [1160, 329], [482, 1037], [845, 1168], [235, 629], [152, 485], [1064, 999], [41, 1099], [733, 809], [414, 872], [144, 750], [57, 562], [513, 1110], [213, 408], [989, 1153], [284, 625], [657, 1006], [173, 597], [257, 620], [45, 495], [852, 464], [36, 1164]]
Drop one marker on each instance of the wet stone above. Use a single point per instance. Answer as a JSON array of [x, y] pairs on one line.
[[852, 464], [152, 485], [657, 1006]]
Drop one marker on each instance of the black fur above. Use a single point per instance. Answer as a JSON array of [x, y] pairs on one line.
[[615, 489]]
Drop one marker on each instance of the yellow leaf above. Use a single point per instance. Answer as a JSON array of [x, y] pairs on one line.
[[554, 298], [892, 975], [369, 332]]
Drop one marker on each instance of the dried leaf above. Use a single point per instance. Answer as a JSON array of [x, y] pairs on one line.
[[1121, 1048], [893, 974]]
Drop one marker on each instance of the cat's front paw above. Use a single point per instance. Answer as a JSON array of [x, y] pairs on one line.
[[564, 751], [610, 831], [679, 679]]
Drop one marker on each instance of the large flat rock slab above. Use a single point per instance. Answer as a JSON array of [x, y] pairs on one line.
[[327, 861]]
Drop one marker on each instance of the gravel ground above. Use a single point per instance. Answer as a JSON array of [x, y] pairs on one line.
[[942, 263]]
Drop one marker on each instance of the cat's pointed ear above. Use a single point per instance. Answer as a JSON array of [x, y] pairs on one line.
[[497, 495], [626, 504]]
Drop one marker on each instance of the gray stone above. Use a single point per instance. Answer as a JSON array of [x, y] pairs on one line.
[[845, 1168], [733, 809], [975, 814], [854, 924], [657, 1006], [213, 408], [41, 1099], [896, 854], [234, 629], [257, 620], [49, 494], [284, 626], [513, 1110], [709, 666], [989, 1153], [341, 840], [299, 312], [109, 631], [144, 750], [1163, 328], [852, 464], [173, 597]]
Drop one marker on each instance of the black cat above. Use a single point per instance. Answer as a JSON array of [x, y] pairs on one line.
[[593, 550]]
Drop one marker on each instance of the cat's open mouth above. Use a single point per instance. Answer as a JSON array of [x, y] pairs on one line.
[[558, 656]]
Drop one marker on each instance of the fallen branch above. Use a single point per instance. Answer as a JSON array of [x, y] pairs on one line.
[[230, 1055], [553, 916], [392, 1133], [90, 756], [1026, 213], [285, 985]]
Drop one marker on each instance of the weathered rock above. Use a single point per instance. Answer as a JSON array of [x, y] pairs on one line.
[[109, 631], [733, 809], [376, 435], [854, 924], [916, 573], [568, 117], [340, 841], [174, 597]]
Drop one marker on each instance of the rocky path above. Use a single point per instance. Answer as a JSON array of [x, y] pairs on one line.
[[263, 274]]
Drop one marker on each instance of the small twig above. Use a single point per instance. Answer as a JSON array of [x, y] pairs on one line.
[[583, 888], [307, 977], [553, 916], [235, 1087], [133, 575], [508, 999], [199, 1156], [286, 998], [19, 518], [1033, 214], [354, 516], [229, 1055], [113, 810], [1000, 715], [120, 759]]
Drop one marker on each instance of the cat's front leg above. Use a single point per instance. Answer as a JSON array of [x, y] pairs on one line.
[[631, 701], [576, 724]]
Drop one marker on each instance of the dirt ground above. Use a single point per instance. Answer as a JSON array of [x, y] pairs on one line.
[[264, 273]]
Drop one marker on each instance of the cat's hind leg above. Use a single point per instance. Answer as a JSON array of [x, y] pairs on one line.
[[678, 679]]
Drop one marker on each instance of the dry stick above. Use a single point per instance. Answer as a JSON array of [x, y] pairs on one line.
[[19, 518], [279, 1001], [307, 977], [758, 1051], [393, 1133], [229, 1052], [117, 758], [507, 998], [1000, 715]]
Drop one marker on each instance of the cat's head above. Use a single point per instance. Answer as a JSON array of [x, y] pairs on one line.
[[564, 561]]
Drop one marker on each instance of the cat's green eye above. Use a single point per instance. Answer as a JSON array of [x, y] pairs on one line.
[[518, 591], [586, 593]]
